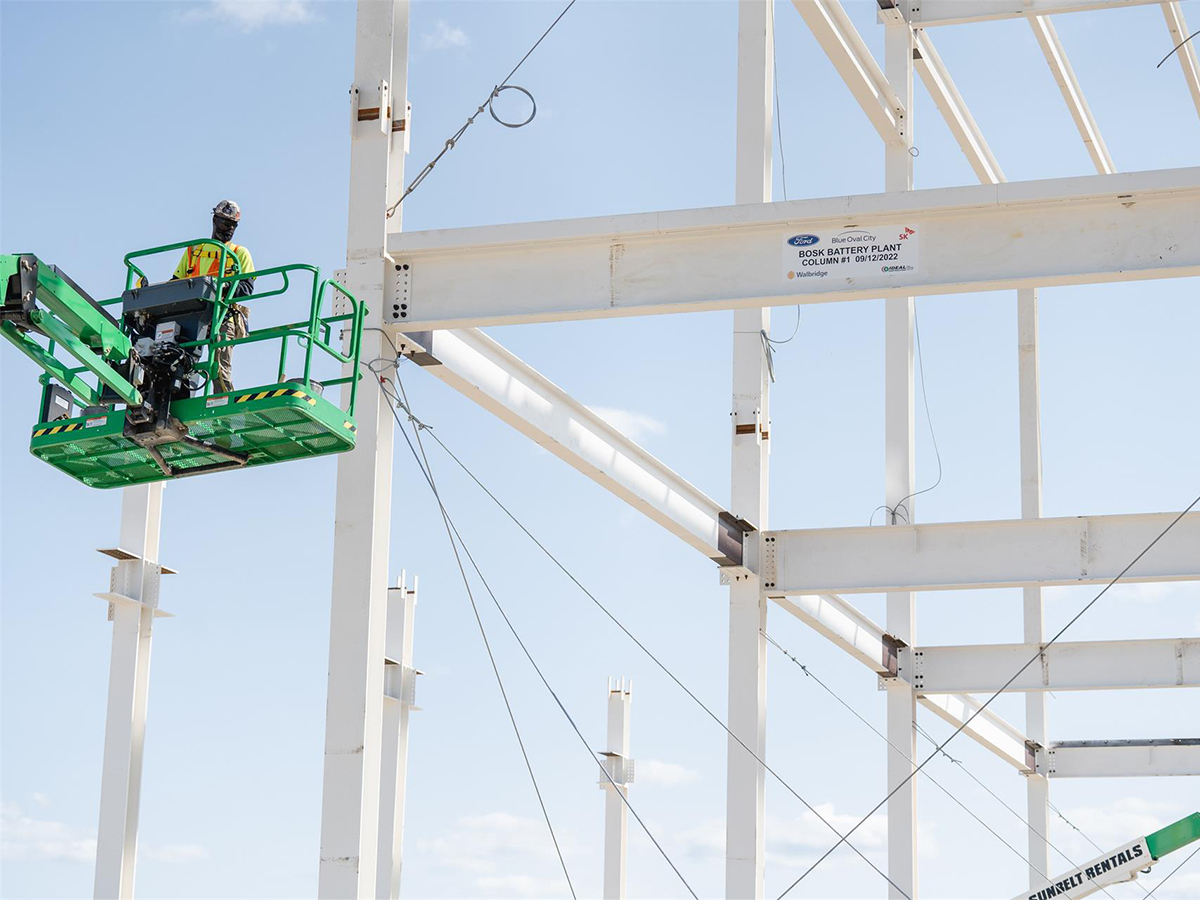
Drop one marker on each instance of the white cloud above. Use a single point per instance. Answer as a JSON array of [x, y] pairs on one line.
[[444, 36], [1155, 591], [798, 841], [633, 425], [40, 799], [1180, 887], [664, 774], [176, 853], [250, 15], [520, 886], [23, 837], [1116, 823], [1148, 593], [487, 844], [706, 839]]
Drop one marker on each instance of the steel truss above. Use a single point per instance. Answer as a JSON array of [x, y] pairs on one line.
[[437, 287], [994, 236]]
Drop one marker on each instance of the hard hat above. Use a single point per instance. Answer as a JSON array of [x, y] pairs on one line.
[[228, 209]]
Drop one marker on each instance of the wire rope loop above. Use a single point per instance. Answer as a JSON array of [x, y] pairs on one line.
[[512, 87]]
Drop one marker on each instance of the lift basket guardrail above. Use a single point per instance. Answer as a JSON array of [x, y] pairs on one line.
[[131, 400]]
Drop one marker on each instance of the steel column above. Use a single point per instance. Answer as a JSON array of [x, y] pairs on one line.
[[899, 476], [354, 710], [399, 695], [619, 767], [1037, 787], [128, 692], [745, 819]]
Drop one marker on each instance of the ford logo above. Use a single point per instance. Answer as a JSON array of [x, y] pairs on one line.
[[804, 240]]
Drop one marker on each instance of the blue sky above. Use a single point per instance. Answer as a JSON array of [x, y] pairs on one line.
[[124, 122]]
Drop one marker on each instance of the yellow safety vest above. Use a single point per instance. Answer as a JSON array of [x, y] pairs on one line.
[[202, 260]]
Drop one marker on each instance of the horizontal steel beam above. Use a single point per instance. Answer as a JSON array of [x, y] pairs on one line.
[[1120, 759], [859, 636], [960, 555], [829, 24], [1078, 666], [484, 372], [928, 13], [987, 728], [1129, 226]]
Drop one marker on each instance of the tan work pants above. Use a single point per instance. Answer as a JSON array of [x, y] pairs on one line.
[[234, 327]]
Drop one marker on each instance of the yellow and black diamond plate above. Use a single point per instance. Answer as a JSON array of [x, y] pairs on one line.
[[58, 428], [279, 392]]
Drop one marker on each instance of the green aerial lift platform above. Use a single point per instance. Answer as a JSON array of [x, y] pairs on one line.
[[128, 398]]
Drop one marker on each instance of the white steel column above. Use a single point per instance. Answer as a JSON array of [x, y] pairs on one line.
[[354, 710], [128, 692], [619, 766], [745, 839], [1038, 786], [899, 468], [399, 696]]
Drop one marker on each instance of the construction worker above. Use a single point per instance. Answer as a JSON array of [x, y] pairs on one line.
[[203, 260]]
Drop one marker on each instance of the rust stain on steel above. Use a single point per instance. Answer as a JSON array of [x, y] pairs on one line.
[[370, 113]]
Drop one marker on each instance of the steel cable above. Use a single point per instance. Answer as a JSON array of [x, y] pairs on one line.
[[503, 85], [958, 762], [1175, 49], [643, 647], [486, 643], [894, 511], [453, 533], [805, 669], [783, 173], [1178, 867], [1000, 691]]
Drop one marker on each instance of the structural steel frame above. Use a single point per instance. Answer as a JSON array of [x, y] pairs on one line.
[[988, 237]]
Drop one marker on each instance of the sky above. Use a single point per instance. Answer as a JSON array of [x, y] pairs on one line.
[[123, 123]]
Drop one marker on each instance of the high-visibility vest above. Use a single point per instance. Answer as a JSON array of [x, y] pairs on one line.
[[203, 260]]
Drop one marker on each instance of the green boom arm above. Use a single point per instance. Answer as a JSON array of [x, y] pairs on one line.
[[31, 348], [68, 318]]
